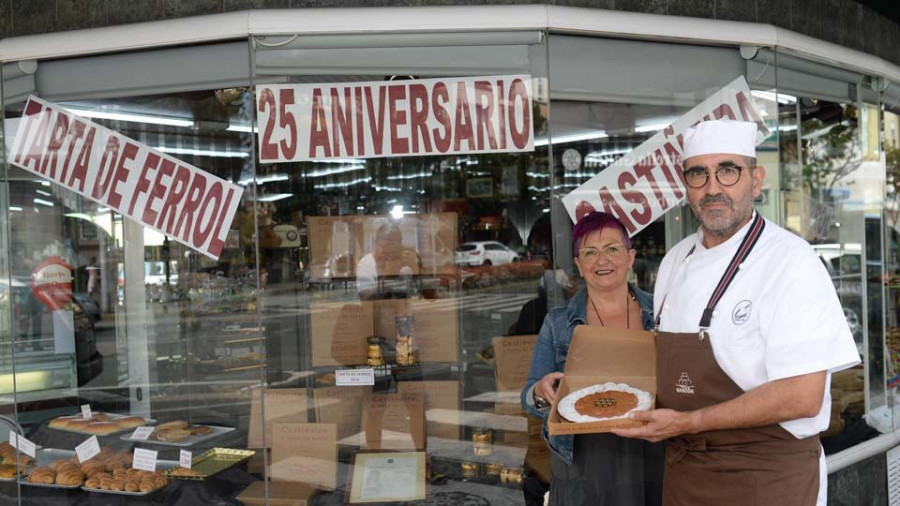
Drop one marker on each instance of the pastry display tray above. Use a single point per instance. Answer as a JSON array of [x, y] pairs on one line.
[[160, 464], [186, 442], [214, 461], [112, 417], [43, 458]]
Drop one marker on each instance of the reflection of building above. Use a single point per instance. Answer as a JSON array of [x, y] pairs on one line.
[[231, 324]]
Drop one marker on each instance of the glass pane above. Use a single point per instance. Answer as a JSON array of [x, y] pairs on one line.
[[833, 180], [414, 269], [154, 332]]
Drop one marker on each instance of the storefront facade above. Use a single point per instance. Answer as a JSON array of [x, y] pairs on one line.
[[361, 296]]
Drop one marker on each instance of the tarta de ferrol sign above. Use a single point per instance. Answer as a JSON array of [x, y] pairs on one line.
[[172, 197], [420, 117], [646, 183]]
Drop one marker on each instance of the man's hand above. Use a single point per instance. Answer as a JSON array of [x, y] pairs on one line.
[[661, 424]]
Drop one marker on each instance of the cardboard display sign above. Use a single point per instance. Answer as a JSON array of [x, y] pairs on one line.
[[284, 405], [280, 494], [332, 247], [342, 406], [512, 361], [394, 422], [436, 329], [597, 355], [305, 453], [372, 247], [647, 182], [163, 193], [339, 331], [385, 312], [439, 395], [454, 115]]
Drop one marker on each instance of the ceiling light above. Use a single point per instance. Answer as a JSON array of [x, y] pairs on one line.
[[274, 197], [563, 139], [203, 152], [134, 118]]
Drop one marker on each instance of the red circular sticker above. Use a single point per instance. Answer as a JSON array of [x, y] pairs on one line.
[[51, 283]]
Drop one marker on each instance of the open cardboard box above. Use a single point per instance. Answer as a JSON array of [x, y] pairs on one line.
[[597, 355]]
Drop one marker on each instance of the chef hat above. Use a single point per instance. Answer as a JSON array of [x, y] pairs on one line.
[[720, 137]]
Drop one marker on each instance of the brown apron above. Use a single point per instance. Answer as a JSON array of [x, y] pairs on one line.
[[762, 466]]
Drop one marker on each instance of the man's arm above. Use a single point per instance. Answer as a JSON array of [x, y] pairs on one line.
[[771, 403]]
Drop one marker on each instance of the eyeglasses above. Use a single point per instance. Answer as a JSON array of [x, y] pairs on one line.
[[726, 175], [611, 252]]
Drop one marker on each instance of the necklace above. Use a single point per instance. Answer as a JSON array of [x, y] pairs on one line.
[[627, 311]]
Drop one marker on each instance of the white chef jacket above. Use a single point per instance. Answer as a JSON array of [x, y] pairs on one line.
[[779, 318]]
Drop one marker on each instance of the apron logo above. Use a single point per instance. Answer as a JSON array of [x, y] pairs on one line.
[[684, 385], [741, 313]]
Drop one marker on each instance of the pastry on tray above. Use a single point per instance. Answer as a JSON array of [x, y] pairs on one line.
[[602, 402], [9, 471], [178, 430], [99, 423], [183, 471]]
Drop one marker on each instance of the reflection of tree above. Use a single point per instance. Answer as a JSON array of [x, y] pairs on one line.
[[830, 153], [892, 169]]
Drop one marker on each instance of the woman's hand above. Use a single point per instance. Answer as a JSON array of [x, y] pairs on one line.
[[546, 387]]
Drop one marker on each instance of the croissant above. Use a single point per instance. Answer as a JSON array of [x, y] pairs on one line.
[[69, 478]]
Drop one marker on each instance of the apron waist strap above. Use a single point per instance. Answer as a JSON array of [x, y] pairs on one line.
[[769, 440], [681, 446]]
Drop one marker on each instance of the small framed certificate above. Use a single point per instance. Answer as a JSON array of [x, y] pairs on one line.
[[387, 477]]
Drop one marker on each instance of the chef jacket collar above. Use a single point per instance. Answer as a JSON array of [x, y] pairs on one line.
[[726, 247]]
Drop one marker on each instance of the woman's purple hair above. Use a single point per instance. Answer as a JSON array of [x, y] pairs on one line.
[[598, 220]]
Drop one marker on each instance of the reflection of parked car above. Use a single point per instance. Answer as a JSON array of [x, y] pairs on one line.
[[844, 265], [485, 253]]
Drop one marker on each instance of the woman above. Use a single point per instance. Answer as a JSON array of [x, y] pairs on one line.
[[595, 469]]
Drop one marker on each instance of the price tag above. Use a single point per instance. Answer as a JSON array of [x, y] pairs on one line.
[[353, 377], [145, 460], [14, 439], [25, 446], [87, 450], [186, 459], [86, 412], [142, 433]]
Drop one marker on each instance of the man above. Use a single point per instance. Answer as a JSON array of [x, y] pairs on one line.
[[750, 330]]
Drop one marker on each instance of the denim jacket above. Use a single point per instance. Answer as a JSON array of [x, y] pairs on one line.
[[550, 356]]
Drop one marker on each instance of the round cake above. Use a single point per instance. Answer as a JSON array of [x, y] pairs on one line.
[[607, 401]]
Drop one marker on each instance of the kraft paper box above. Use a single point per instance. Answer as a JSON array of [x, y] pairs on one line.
[[385, 311], [305, 453], [332, 247], [394, 422], [512, 360], [597, 355], [441, 405], [342, 406], [280, 494], [437, 242], [339, 331], [281, 405]]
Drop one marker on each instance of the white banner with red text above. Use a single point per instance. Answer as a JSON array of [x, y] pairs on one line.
[[647, 182], [174, 198], [420, 117]]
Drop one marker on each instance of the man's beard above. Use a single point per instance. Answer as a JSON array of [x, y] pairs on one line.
[[717, 222]]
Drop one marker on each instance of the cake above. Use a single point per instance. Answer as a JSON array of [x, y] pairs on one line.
[[607, 401]]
